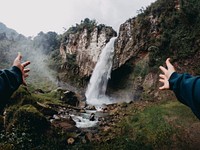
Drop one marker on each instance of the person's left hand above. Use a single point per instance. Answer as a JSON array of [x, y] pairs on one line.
[[21, 66], [167, 72]]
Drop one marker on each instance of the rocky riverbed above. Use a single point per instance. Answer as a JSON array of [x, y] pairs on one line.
[[87, 122]]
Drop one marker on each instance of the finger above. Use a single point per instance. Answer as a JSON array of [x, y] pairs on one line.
[[19, 56], [26, 75], [164, 70], [24, 83], [162, 80], [26, 63], [168, 63], [162, 76], [26, 70], [162, 87]]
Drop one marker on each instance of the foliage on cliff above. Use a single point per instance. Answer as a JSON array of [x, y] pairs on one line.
[[85, 24], [167, 28], [178, 26]]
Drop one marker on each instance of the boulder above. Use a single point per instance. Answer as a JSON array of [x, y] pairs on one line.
[[70, 98], [26, 119], [65, 126], [92, 117]]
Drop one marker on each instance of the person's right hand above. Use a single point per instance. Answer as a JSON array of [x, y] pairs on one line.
[[21, 66], [164, 78]]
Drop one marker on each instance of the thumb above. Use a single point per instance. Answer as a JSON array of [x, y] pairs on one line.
[[19, 56], [168, 63]]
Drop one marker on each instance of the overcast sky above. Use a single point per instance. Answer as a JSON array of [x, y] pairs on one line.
[[29, 17]]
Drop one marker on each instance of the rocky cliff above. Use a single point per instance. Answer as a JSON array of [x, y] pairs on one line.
[[167, 28], [81, 47]]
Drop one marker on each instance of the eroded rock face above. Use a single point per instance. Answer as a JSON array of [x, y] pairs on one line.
[[134, 39], [85, 48]]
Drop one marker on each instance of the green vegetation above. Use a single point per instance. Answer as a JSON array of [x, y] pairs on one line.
[[174, 33], [26, 125], [149, 124], [160, 126], [85, 24], [46, 42]]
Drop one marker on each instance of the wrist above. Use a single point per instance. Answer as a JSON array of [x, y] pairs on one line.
[[18, 73]]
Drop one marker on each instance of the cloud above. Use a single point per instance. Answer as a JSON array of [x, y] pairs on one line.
[[29, 17]]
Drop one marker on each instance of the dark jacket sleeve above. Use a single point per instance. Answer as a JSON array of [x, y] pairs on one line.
[[10, 80], [187, 90]]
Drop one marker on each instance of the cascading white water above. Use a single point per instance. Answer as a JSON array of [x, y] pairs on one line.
[[96, 90]]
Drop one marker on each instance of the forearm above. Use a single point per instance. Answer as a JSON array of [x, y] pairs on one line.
[[186, 88], [10, 80]]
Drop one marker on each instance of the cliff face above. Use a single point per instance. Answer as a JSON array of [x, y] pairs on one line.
[[80, 50], [167, 28]]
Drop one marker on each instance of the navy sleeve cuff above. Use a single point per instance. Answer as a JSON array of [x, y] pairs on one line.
[[18, 73], [173, 79]]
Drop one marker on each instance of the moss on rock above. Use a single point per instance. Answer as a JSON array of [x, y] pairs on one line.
[[28, 119]]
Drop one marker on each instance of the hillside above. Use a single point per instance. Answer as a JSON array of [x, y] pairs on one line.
[[167, 28]]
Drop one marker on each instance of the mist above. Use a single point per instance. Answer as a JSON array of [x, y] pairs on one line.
[[41, 76]]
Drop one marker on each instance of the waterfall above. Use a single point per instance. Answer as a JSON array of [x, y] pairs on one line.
[[96, 90]]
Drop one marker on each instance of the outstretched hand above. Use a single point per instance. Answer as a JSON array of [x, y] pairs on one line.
[[21, 66], [164, 78]]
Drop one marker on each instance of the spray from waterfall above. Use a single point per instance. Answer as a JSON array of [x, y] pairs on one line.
[[96, 90]]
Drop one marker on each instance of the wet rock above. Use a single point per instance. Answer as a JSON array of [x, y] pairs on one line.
[[70, 120], [82, 104], [105, 110], [45, 109], [82, 111], [56, 117], [65, 125], [70, 98], [92, 117], [90, 107], [123, 105], [101, 119]]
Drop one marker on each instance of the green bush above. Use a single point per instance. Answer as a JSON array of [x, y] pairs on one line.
[[28, 119]]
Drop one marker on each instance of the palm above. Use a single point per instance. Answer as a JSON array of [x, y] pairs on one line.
[[21, 66], [164, 78]]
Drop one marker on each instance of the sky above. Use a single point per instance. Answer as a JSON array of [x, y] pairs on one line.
[[29, 17]]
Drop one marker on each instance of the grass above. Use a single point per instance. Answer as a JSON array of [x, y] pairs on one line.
[[146, 125], [51, 97], [158, 126]]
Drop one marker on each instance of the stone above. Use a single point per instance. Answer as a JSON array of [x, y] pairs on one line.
[[28, 119], [82, 111], [70, 98], [92, 117], [70, 141], [65, 126]]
